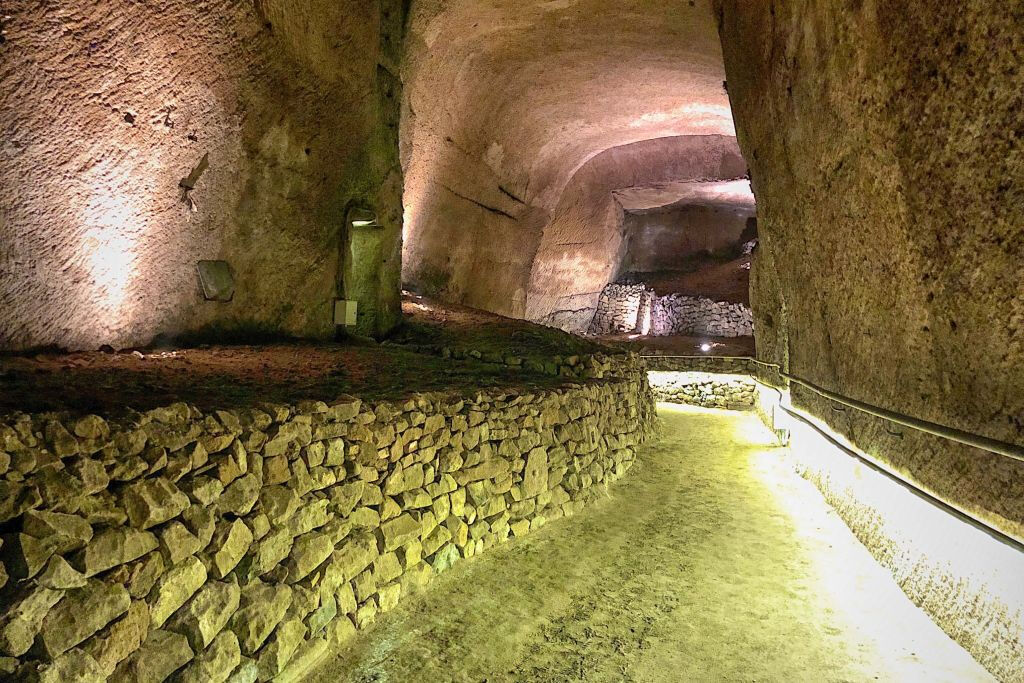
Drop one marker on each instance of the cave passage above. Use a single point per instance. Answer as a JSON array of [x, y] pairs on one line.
[[712, 561]]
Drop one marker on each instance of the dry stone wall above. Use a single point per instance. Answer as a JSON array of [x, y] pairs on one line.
[[733, 392], [241, 544], [626, 308]]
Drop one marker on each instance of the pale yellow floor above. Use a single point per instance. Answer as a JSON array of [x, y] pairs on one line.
[[709, 561]]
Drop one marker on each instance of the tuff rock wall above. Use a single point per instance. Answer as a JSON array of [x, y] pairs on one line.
[[178, 545], [886, 148], [139, 139]]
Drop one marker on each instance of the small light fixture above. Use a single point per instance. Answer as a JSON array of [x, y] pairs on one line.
[[705, 347], [359, 217], [217, 281]]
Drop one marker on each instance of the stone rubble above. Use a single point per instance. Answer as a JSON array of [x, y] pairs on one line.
[[732, 392], [239, 545], [633, 308]]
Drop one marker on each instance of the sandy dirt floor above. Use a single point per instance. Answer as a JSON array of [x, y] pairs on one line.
[[710, 561]]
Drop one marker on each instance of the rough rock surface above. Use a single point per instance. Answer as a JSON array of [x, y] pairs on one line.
[[144, 138], [910, 152], [523, 117]]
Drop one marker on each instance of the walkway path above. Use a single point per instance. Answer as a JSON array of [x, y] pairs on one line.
[[709, 561]]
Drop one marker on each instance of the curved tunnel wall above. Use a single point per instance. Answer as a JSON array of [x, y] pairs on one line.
[[106, 106], [508, 106], [891, 222]]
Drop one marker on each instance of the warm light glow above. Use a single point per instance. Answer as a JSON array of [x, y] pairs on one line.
[[109, 246], [705, 347]]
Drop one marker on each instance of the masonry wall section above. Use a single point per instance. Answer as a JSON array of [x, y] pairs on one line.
[[246, 542]]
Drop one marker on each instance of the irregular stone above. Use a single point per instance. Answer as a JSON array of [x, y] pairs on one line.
[[230, 543], [308, 552], [444, 558], [491, 469], [535, 476], [310, 517], [271, 551], [276, 470], [232, 464], [174, 588], [245, 672], [261, 609], [25, 556], [323, 615], [112, 548], [59, 575], [23, 617], [81, 613], [60, 439], [387, 596], [162, 654], [240, 496], [73, 666], [201, 523], [399, 531], [203, 490], [365, 517], [91, 473], [275, 655], [355, 554], [152, 501], [206, 614], [366, 614], [215, 663], [139, 576], [120, 639], [102, 508], [177, 542], [278, 503], [16, 498]]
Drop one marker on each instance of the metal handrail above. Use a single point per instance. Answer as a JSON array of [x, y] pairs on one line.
[[985, 443]]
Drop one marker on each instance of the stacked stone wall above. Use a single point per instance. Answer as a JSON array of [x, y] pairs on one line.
[[733, 392], [619, 308], [626, 308], [678, 314], [241, 544]]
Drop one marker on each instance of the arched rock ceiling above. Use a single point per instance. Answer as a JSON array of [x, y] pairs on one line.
[[727, 194], [507, 99]]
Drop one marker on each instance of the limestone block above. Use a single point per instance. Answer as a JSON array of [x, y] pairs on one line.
[[74, 665], [215, 663], [23, 616], [444, 558], [139, 576], [308, 552], [275, 655], [206, 614], [345, 597], [152, 501], [240, 496], [16, 498], [245, 672], [59, 575], [120, 639], [365, 517], [177, 542], [262, 607], [229, 545], [112, 548], [203, 489], [174, 588], [388, 596], [355, 553], [344, 497], [271, 551], [162, 654], [81, 613], [279, 503], [310, 516], [535, 476], [366, 614]]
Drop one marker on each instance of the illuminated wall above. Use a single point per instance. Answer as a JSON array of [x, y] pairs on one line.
[[890, 220], [108, 107]]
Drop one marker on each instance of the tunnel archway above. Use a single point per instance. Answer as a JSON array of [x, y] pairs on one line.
[[522, 119]]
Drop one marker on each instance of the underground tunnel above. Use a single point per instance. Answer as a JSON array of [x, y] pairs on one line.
[[511, 340]]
